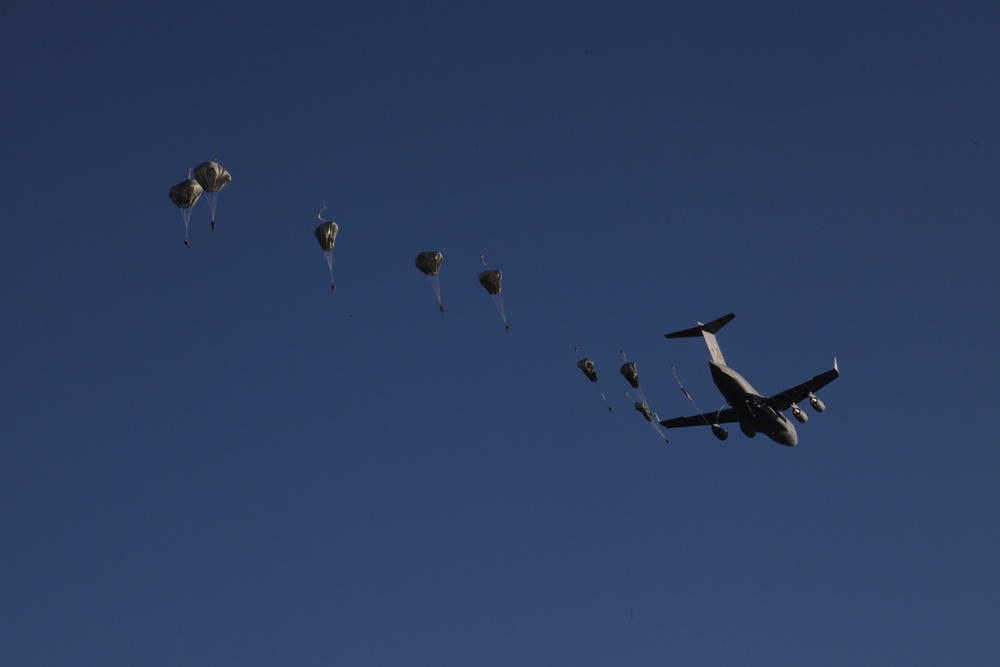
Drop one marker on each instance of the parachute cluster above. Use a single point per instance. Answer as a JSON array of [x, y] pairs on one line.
[[207, 177], [428, 263], [630, 372], [211, 178]]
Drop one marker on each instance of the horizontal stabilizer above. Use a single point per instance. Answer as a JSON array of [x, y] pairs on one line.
[[712, 327], [708, 331]]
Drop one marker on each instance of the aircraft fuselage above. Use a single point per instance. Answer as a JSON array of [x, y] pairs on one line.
[[753, 411]]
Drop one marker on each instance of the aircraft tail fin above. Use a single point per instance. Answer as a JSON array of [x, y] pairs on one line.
[[707, 331]]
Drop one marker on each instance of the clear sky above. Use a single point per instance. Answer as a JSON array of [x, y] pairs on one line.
[[208, 458]]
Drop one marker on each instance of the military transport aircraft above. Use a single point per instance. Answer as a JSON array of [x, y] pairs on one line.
[[755, 412]]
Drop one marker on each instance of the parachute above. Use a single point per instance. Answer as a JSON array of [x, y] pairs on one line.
[[491, 279], [185, 195], [588, 368], [631, 374], [644, 411], [429, 263], [212, 178], [326, 234]]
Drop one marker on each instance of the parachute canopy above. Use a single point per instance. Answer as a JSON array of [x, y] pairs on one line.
[[326, 234], [186, 193], [429, 262], [211, 176], [630, 373], [587, 366], [490, 279]]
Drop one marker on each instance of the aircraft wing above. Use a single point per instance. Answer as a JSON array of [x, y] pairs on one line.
[[784, 400], [721, 417]]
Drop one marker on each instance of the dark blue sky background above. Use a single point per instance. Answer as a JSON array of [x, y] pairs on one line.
[[207, 458]]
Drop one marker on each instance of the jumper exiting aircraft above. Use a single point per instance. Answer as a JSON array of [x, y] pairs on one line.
[[755, 412]]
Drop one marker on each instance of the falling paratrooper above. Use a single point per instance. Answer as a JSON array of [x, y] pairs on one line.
[[429, 263], [588, 368], [185, 195], [491, 280], [326, 234], [631, 373], [212, 178]]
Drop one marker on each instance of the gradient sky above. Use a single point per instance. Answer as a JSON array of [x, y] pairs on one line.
[[208, 458]]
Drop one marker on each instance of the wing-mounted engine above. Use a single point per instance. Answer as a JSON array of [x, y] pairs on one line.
[[799, 414], [719, 432], [815, 403]]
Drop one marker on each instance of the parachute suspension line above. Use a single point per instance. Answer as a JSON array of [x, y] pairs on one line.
[[659, 429], [435, 282], [329, 262], [642, 396], [482, 258], [320, 214], [673, 369], [186, 217], [498, 302], [213, 200]]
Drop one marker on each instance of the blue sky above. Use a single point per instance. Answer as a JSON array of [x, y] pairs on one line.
[[209, 458]]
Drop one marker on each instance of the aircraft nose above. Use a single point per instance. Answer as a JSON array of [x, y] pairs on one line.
[[787, 438]]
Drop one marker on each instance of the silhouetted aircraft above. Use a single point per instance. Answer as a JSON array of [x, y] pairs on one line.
[[754, 412]]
